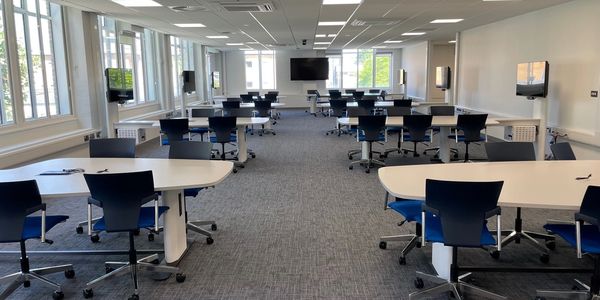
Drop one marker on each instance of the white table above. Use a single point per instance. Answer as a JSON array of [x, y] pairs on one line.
[[531, 184], [171, 176], [443, 122], [313, 100], [241, 124], [377, 104]]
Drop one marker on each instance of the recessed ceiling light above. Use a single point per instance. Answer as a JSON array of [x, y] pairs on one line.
[[332, 35], [413, 33], [253, 43], [442, 21], [392, 42], [320, 48], [234, 44], [320, 35], [332, 23], [322, 43], [335, 2], [187, 25], [379, 47], [452, 42], [137, 3], [217, 36], [246, 49]]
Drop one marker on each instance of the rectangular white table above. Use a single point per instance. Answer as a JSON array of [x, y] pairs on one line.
[[530, 184], [171, 177], [312, 98], [378, 104]]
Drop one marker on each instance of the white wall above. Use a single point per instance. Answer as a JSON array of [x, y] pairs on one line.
[[440, 56], [567, 37], [414, 61]]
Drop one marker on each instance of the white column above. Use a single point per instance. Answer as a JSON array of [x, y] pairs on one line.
[[540, 111]]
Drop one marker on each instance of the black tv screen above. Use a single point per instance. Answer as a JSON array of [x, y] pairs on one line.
[[442, 77], [532, 79], [119, 84], [189, 81], [310, 68]]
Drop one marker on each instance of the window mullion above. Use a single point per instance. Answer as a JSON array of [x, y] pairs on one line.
[[373, 70], [259, 70], [32, 95], [42, 58]]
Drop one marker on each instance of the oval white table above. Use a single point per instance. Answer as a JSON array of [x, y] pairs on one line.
[[171, 176]]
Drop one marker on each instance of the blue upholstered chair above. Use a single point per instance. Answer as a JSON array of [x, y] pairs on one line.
[[415, 128], [173, 129], [471, 127], [19, 199], [370, 129]]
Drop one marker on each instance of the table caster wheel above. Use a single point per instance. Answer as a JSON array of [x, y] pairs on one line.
[[419, 283], [57, 295], [367, 171], [88, 293], [402, 260], [213, 227], [180, 277], [551, 245], [209, 241], [495, 254], [350, 167], [26, 283], [108, 269], [350, 157], [70, 274], [79, 230], [134, 297], [545, 258], [150, 237], [155, 261], [95, 238], [273, 133], [234, 170], [382, 245], [253, 155], [136, 232]]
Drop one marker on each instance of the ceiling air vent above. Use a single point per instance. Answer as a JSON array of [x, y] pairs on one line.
[[247, 6], [375, 22]]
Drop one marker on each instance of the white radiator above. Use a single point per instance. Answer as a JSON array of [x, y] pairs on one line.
[[525, 133], [139, 134]]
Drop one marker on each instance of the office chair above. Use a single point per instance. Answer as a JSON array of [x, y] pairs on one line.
[[247, 98], [369, 97], [370, 129], [263, 110], [441, 110], [271, 98], [201, 113], [518, 151], [333, 91], [355, 112], [403, 103], [461, 210], [471, 126], [121, 196], [349, 91], [18, 199], [382, 95], [194, 150], [583, 237], [562, 151], [335, 95], [276, 93], [255, 94], [396, 111], [233, 99], [368, 105], [356, 95], [224, 129], [174, 129], [417, 127], [230, 108], [114, 148], [338, 110], [374, 91]]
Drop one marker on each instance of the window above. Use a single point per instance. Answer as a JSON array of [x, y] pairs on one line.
[[6, 104], [131, 49], [362, 68], [260, 70], [42, 61], [182, 59]]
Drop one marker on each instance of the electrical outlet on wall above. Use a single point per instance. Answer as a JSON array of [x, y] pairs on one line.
[[594, 94]]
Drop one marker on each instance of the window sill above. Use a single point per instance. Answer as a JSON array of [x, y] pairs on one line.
[[34, 124], [138, 106]]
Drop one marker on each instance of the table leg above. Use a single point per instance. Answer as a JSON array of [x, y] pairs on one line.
[[242, 144], [313, 105], [174, 219], [441, 259], [364, 153], [444, 144]]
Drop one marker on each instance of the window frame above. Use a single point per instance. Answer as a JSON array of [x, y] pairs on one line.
[[356, 52], [260, 54]]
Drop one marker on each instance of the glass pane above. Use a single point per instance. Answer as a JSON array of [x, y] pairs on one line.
[[49, 64], [365, 68], [268, 70], [31, 6], [6, 115], [335, 72], [382, 70], [349, 64], [36, 66], [23, 66], [43, 7], [252, 71], [17, 3], [139, 69], [150, 63]]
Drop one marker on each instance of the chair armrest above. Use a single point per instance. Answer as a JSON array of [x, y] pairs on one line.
[[426, 208], [150, 198], [94, 202], [39, 207], [586, 218], [494, 212]]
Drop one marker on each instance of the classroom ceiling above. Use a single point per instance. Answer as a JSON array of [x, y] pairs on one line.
[[368, 24]]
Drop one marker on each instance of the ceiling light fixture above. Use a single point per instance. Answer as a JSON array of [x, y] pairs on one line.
[[413, 33], [392, 42], [332, 23], [234, 44], [339, 2], [332, 35], [320, 35], [189, 25], [322, 43], [217, 36], [320, 48], [446, 21], [452, 42], [379, 47], [246, 49], [137, 3]]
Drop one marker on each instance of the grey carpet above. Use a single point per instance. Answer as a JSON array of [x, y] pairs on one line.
[[294, 224]]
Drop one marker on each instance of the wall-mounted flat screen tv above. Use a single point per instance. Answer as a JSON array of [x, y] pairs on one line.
[[119, 84], [532, 79], [442, 77], [309, 68], [189, 81]]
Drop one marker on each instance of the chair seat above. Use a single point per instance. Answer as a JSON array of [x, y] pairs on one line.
[[408, 138], [461, 138], [33, 225], [191, 192], [434, 233], [146, 218], [380, 138], [394, 129], [199, 130], [590, 236], [232, 138], [409, 209]]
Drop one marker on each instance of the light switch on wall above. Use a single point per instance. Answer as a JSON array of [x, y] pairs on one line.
[[594, 94]]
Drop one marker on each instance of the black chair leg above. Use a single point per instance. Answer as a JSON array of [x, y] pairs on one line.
[[223, 153], [466, 152], [415, 154]]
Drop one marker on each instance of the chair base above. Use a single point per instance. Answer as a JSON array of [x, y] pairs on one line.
[[23, 278], [582, 293], [457, 289], [367, 163], [413, 241]]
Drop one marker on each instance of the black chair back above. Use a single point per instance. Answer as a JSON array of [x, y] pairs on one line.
[[338, 107], [371, 126], [590, 206], [333, 91], [233, 99], [462, 208], [370, 97], [442, 110], [231, 104], [398, 111], [312, 92], [417, 126], [510, 151], [358, 95], [374, 91], [357, 111], [368, 104], [382, 95], [562, 151], [243, 112], [263, 108], [231, 108], [115, 147], [175, 129], [471, 125], [203, 113], [223, 127], [121, 196], [190, 150], [276, 93], [17, 200], [403, 103], [254, 93], [271, 97], [349, 91], [335, 95], [246, 98]]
